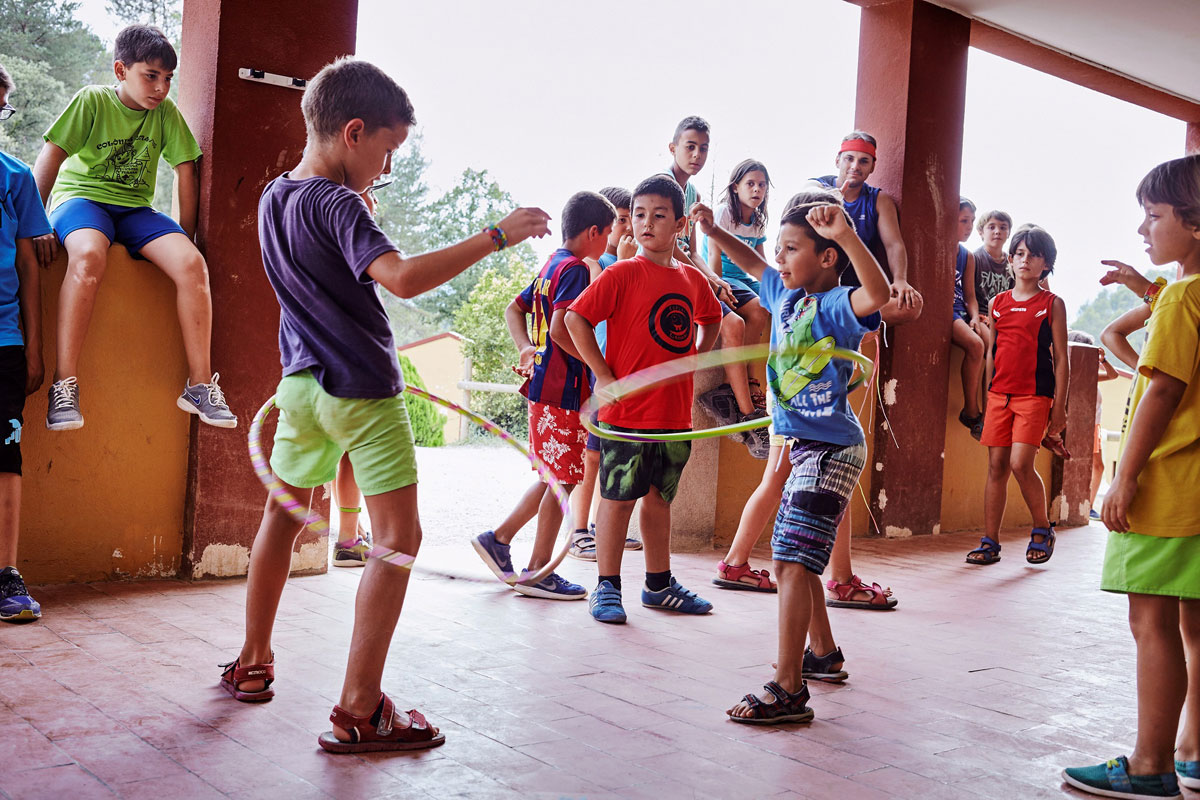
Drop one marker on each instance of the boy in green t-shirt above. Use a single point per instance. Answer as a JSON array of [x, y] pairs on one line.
[[97, 170]]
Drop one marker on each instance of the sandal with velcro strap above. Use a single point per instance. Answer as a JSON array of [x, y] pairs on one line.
[[988, 550], [379, 730], [788, 706], [234, 674]]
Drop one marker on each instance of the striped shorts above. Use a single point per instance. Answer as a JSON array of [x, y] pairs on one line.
[[814, 499]]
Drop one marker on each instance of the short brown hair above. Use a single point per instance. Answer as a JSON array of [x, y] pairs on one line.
[[6, 81], [1177, 184], [1003, 216], [144, 44], [352, 89]]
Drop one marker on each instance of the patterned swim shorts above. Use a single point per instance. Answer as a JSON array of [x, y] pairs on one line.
[[814, 499], [629, 469], [557, 437]]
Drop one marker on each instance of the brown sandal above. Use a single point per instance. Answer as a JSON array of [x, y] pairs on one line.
[[378, 731], [234, 674]]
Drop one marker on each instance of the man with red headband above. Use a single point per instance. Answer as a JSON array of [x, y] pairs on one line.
[[875, 217]]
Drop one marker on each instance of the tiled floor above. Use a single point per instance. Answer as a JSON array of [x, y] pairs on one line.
[[984, 683]]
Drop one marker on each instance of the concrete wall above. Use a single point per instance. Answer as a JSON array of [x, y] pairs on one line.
[[1115, 396], [107, 500], [439, 360]]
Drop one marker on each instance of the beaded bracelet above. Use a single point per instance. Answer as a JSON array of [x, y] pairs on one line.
[[499, 239]]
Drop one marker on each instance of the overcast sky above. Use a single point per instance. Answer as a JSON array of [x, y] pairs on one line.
[[554, 97]]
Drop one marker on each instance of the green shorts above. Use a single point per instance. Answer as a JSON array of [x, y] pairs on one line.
[[315, 428], [1138, 564], [629, 469]]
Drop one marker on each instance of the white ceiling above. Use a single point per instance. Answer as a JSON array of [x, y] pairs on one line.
[[1153, 41]]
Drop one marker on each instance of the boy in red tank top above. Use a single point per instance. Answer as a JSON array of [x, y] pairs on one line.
[[1027, 394]]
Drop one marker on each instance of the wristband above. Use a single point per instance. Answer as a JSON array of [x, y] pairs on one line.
[[1153, 291], [499, 239]]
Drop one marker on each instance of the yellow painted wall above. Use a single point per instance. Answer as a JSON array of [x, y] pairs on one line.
[[107, 500], [1114, 394], [440, 363]]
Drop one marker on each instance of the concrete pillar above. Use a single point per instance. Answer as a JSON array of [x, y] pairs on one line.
[[250, 132], [1071, 480], [912, 73]]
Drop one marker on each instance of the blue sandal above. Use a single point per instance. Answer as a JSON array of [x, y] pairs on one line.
[[1044, 547], [988, 550]]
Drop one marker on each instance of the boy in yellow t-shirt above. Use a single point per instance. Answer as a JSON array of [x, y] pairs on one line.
[[97, 171], [1153, 553]]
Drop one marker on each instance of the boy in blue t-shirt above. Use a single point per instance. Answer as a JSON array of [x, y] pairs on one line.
[[556, 384], [341, 386], [810, 313], [22, 218]]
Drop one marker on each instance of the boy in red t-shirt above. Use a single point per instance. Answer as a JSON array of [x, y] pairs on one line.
[[1028, 365], [653, 305]]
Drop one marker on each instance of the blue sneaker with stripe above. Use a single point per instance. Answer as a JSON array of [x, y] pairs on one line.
[[1112, 779], [495, 554], [676, 598], [552, 587], [15, 603], [1188, 773], [605, 604]]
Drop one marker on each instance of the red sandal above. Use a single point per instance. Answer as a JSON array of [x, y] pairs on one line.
[[880, 598], [379, 730], [234, 673], [734, 577]]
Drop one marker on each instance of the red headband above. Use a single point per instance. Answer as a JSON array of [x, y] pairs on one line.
[[858, 145]]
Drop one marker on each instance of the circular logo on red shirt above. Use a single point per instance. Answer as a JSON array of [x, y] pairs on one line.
[[671, 323]]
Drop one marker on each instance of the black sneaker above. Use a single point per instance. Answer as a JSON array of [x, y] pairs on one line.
[[757, 440], [15, 603], [720, 404]]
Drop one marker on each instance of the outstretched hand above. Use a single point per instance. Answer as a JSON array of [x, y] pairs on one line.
[[702, 215], [1125, 275], [524, 223]]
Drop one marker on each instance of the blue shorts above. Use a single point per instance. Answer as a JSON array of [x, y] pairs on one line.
[[132, 226], [814, 499]]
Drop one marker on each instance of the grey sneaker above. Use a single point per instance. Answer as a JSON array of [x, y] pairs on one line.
[[208, 401], [757, 440], [62, 410], [720, 404]]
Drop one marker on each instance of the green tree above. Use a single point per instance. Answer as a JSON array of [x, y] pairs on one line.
[[38, 97], [166, 14], [1110, 303], [488, 345], [428, 424]]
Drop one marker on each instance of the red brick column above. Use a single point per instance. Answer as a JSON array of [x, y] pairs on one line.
[[1072, 479], [249, 132], [912, 72]]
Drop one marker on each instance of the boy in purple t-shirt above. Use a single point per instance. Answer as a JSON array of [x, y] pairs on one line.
[[341, 386], [556, 385]]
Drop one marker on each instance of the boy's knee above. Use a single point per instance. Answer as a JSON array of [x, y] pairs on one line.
[[733, 324], [195, 271], [87, 266]]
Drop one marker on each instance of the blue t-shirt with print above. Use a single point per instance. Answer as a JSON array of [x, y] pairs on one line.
[[809, 388], [22, 216]]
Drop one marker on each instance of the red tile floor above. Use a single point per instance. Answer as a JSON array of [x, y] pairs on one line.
[[984, 682]]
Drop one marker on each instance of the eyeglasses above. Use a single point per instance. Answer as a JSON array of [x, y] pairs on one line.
[[7, 111]]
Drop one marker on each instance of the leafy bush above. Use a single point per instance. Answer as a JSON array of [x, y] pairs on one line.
[[490, 348], [427, 422]]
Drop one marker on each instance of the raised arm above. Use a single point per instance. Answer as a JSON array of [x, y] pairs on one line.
[[410, 276], [738, 251], [874, 293], [1115, 335]]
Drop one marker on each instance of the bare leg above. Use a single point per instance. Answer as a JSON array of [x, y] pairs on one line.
[[733, 333], [379, 601], [840, 568], [761, 506], [1189, 736], [549, 520], [963, 337], [87, 260], [655, 522], [270, 563], [1097, 476], [582, 504], [1162, 681], [10, 517], [346, 495], [612, 525], [1030, 482], [175, 255], [757, 321], [995, 493], [796, 592], [820, 633], [527, 509]]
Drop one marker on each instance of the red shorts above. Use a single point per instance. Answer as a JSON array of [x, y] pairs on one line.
[[1015, 419], [557, 437]]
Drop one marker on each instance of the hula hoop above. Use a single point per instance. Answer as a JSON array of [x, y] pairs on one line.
[[672, 370], [320, 525]]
